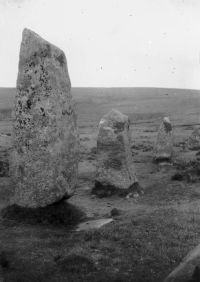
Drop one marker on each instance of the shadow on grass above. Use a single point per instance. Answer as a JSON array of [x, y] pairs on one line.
[[57, 214]]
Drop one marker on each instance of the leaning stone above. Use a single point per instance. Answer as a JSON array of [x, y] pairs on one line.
[[188, 269], [115, 169], [194, 140], [44, 160], [164, 144]]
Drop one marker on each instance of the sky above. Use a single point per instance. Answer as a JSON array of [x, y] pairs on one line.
[[109, 43]]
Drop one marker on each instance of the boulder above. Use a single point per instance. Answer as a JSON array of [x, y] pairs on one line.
[[115, 168], [44, 159], [188, 270], [164, 144], [194, 140]]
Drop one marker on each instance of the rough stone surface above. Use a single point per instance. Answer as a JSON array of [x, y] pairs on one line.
[[188, 270], [194, 140], [114, 158], [44, 160], [164, 143]]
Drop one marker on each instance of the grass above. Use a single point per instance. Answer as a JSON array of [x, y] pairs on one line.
[[141, 248]]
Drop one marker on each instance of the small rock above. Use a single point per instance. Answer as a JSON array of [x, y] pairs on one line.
[[115, 212], [177, 176], [4, 263], [93, 224]]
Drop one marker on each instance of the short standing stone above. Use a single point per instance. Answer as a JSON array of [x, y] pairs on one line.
[[115, 167], [164, 143], [44, 161], [194, 140]]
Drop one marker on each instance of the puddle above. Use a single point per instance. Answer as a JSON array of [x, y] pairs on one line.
[[93, 224]]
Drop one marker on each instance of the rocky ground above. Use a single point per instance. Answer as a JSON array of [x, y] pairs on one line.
[[149, 234]]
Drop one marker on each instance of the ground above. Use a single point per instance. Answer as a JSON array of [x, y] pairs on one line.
[[149, 235]]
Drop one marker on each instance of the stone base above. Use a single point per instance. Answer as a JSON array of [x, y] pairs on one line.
[[162, 159], [106, 190]]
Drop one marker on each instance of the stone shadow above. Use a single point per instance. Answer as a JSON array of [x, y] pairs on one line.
[[58, 214]]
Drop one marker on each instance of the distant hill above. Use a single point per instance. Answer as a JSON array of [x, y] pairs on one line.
[[139, 103], [81, 93]]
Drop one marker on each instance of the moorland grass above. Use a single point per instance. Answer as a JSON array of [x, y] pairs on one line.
[[143, 247]]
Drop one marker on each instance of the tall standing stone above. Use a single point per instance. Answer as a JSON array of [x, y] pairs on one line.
[[115, 168], [44, 161], [164, 144]]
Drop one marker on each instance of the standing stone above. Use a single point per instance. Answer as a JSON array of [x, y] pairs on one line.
[[115, 167], [194, 140], [164, 143], [44, 161]]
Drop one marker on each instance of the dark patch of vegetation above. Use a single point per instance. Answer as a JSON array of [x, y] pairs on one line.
[[188, 171], [164, 192], [4, 261], [149, 130], [162, 160], [107, 190], [177, 177], [194, 148], [58, 214], [145, 147], [4, 168], [196, 275], [115, 212]]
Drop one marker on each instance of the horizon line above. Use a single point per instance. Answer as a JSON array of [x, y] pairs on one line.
[[118, 87]]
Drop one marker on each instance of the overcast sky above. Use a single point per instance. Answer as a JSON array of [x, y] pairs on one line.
[[109, 43]]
